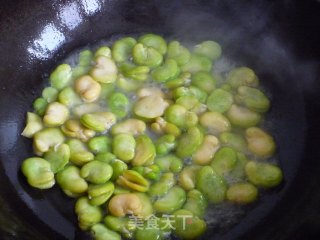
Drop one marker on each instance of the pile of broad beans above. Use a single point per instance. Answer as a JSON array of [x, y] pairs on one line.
[[146, 131]]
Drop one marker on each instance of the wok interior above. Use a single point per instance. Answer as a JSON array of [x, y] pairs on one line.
[[249, 36]]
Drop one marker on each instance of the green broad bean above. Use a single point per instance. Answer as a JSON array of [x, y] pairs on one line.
[[198, 93], [120, 190], [85, 58], [121, 225], [69, 97], [203, 81], [146, 56], [260, 143], [38, 172], [161, 126], [187, 177], [76, 145], [130, 126], [133, 180], [128, 84], [101, 232], [118, 167], [238, 172], [183, 80], [150, 107], [189, 142], [61, 76], [105, 70], [145, 151], [33, 125], [56, 114], [99, 144], [233, 140], [196, 203], [99, 194], [188, 226], [81, 158], [50, 94], [215, 122], [189, 102], [243, 117], [197, 63], [106, 90], [263, 174], [224, 160], [242, 193], [152, 172], [103, 51], [206, 150], [148, 232], [155, 41], [180, 116], [47, 138], [84, 65], [138, 73], [164, 226], [70, 181], [253, 98], [106, 157], [169, 70], [39, 106], [165, 144], [178, 52], [122, 49], [98, 121], [227, 87], [87, 88], [161, 187], [190, 91], [181, 92], [123, 146], [138, 169], [118, 104], [209, 49], [169, 163], [211, 184], [88, 215], [79, 154], [172, 201], [242, 76], [96, 172], [219, 101], [58, 157]]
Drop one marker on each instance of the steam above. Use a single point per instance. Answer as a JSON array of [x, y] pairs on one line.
[[249, 35]]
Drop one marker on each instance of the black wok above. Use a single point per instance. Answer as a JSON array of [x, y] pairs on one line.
[[276, 38]]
